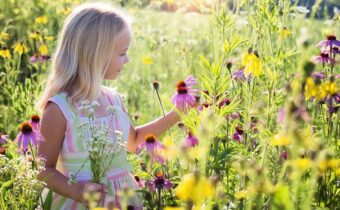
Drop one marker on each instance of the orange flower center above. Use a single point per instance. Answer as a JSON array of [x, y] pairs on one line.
[[150, 139], [35, 118], [331, 37], [26, 128]]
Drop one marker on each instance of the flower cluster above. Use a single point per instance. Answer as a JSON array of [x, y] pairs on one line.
[[102, 143]]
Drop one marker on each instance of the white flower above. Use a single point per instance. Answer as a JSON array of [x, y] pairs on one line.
[[112, 109], [118, 134], [95, 103], [72, 179]]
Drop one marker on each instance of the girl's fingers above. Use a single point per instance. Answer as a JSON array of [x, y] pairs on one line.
[[93, 187]]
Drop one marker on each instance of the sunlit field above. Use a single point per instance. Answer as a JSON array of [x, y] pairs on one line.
[[264, 132]]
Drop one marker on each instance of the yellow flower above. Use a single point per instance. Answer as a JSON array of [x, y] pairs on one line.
[[252, 64], [4, 36], [242, 194], [334, 164], [35, 35], [284, 33], [41, 19], [5, 53], [43, 50], [302, 163], [65, 11], [193, 189], [310, 88], [323, 165], [280, 140], [49, 38], [147, 60], [330, 88], [20, 48]]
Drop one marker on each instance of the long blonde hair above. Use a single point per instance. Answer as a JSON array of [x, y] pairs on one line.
[[84, 49]]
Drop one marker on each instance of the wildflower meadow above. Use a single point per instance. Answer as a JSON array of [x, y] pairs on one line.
[[255, 82]]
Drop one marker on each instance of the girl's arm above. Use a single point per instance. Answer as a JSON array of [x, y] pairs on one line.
[[156, 127], [53, 125]]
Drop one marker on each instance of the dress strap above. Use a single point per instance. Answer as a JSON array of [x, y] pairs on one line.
[[115, 99]]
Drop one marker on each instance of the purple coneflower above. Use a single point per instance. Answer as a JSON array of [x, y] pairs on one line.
[[224, 102], [36, 58], [159, 182], [333, 103], [324, 58], [331, 41], [336, 50], [284, 155], [238, 135], [28, 135], [152, 146], [191, 140], [3, 139], [239, 75], [318, 75], [35, 122], [185, 98]]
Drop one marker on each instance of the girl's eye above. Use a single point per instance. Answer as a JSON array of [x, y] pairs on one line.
[[123, 54]]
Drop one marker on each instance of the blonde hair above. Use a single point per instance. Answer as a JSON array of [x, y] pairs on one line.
[[83, 52]]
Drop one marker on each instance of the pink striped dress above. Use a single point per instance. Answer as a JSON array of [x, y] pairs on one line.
[[73, 153]]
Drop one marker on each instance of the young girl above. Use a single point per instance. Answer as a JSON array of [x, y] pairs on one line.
[[92, 46]]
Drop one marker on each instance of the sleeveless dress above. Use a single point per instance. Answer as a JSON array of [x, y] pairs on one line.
[[73, 154]]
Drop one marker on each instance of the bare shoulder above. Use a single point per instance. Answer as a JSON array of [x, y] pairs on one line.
[[53, 115], [53, 125]]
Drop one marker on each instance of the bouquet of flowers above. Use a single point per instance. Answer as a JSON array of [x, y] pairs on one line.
[[102, 143]]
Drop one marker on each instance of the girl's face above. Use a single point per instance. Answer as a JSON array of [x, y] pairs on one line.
[[119, 57]]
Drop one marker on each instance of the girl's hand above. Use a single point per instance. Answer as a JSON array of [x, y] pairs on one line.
[[90, 192]]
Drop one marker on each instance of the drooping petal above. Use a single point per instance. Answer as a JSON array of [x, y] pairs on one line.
[[26, 141], [190, 81]]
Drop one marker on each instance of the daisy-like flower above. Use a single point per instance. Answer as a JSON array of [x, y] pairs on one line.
[[336, 50], [333, 103], [324, 58], [28, 136], [36, 58], [239, 75], [252, 63], [5, 53], [159, 182], [191, 140], [185, 96], [331, 41], [318, 75], [238, 135], [152, 146], [284, 155], [3, 139], [35, 122], [20, 48]]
